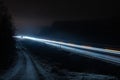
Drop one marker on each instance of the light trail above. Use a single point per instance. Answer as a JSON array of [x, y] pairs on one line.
[[72, 45], [103, 57], [79, 49]]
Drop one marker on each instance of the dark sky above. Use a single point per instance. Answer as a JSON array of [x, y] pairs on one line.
[[45, 12], [96, 16]]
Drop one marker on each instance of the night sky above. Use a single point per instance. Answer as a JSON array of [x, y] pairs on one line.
[[86, 19], [45, 12]]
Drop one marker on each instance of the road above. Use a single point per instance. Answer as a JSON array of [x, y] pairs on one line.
[[27, 67]]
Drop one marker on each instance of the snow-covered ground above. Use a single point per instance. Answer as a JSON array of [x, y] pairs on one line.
[[29, 67]]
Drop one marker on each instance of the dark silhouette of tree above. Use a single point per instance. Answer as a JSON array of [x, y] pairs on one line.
[[7, 42]]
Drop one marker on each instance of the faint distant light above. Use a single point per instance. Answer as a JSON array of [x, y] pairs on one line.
[[20, 37]]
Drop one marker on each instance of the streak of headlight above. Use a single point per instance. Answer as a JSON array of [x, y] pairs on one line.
[[106, 58], [68, 47], [72, 45]]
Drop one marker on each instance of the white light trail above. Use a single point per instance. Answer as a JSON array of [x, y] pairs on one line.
[[80, 50], [103, 57], [71, 45]]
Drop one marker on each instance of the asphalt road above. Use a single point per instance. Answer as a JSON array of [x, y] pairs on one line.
[[27, 67], [78, 60]]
